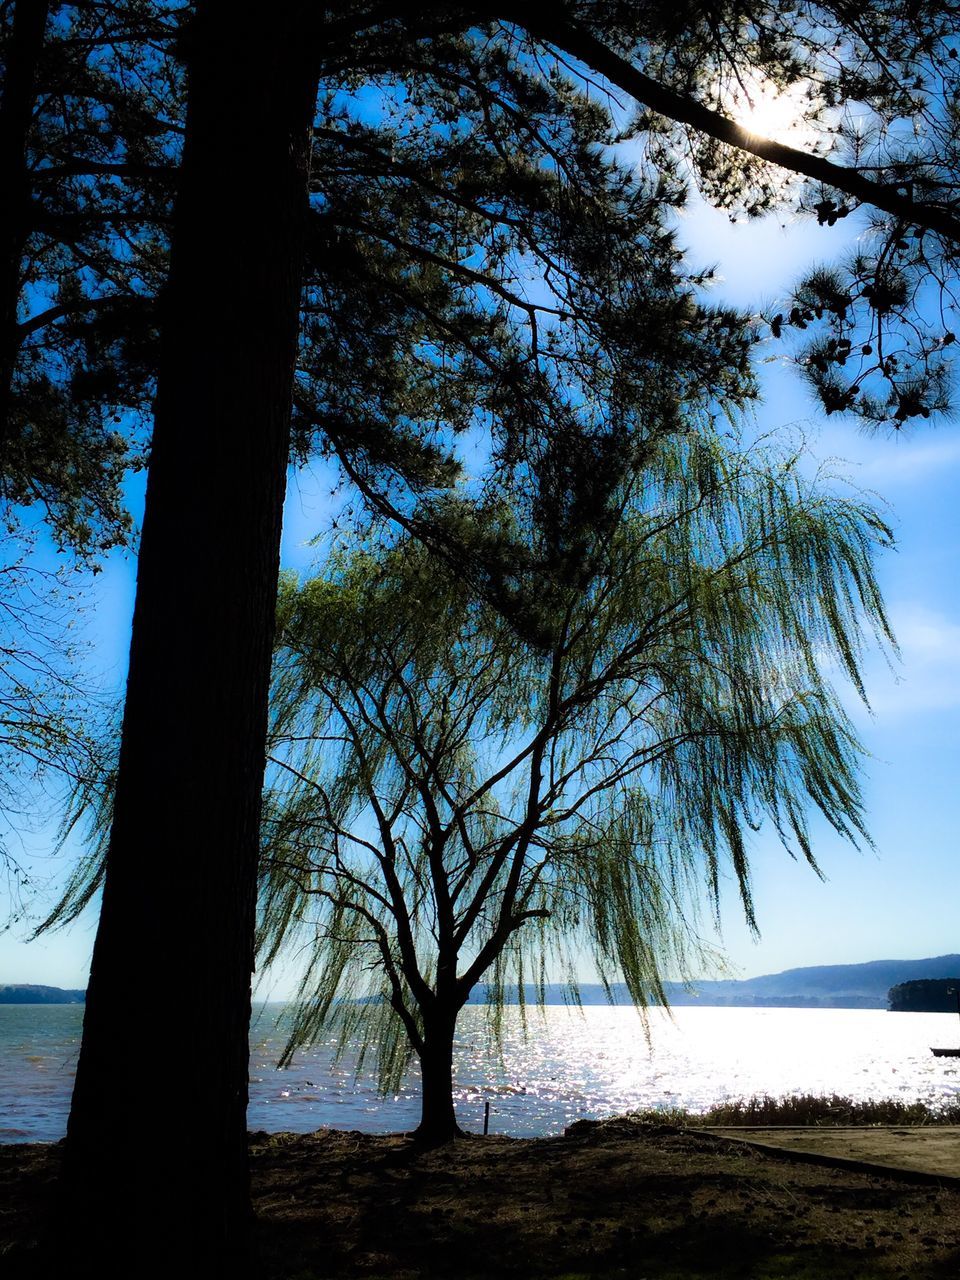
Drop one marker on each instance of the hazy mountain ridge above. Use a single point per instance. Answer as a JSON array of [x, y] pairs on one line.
[[826, 986], [836, 986], [869, 981]]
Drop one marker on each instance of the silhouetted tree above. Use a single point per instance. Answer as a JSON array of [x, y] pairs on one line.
[[925, 995], [446, 801]]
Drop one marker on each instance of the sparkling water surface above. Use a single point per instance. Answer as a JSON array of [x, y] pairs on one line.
[[570, 1065]]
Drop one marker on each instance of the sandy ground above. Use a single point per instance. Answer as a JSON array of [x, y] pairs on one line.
[[617, 1199]]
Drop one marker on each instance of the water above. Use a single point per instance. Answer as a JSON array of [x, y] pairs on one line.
[[571, 1066]]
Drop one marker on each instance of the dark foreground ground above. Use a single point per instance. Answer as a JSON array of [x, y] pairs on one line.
[[619, 1199]]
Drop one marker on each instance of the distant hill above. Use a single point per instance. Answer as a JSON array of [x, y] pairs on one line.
[[825, 986], [25, 993], [829, 986], [839, 985]]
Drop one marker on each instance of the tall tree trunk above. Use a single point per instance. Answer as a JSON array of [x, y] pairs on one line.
[[24, 47], [438, 1119], [157, 1138]]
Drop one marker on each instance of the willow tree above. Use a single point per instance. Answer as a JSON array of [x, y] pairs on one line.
[[448, 803]]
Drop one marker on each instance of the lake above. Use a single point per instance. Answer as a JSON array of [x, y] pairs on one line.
[[571, 1065]]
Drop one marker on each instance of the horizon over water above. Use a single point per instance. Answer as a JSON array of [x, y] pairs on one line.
[[571, 1065]]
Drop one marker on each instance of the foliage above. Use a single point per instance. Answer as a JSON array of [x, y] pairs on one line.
[[487, 135], [53, 737], [807, 1109], [446, 800], [79, 261], [925, 995], [874, 97], [574, 322], [83, 257], [564, 314]]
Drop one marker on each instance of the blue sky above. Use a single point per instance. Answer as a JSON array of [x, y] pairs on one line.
[[899, 900], [896, 902]]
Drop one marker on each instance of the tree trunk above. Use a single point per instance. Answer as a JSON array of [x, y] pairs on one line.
[[157, 1141], [438, 1120], [24, 48]]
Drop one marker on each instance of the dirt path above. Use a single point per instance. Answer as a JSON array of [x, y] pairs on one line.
[[934, 1150]]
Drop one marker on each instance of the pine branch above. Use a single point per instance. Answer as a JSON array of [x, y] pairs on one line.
[[892, 198]]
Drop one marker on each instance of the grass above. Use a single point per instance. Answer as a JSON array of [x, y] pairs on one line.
[[807, 1109]]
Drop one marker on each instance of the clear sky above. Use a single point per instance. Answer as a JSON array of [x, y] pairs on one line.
[[897, 902]]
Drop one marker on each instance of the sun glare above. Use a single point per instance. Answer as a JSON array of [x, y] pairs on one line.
[[769, 112]]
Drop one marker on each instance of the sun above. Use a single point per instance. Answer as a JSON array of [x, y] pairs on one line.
[[767, 111]]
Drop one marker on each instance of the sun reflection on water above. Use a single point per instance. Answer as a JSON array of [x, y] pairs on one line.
[[570, 1066]]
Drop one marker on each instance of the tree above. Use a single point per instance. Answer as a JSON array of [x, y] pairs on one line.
[[222, 411], [925, 995], [209, 551], [448, 802]]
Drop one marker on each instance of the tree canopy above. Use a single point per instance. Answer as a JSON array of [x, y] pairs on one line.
[[447, 803], [86, 154], [479, 128]]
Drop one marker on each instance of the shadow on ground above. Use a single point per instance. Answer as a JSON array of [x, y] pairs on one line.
[[618, 1199]]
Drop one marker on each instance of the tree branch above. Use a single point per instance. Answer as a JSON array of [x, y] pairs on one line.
[[575, 40]]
